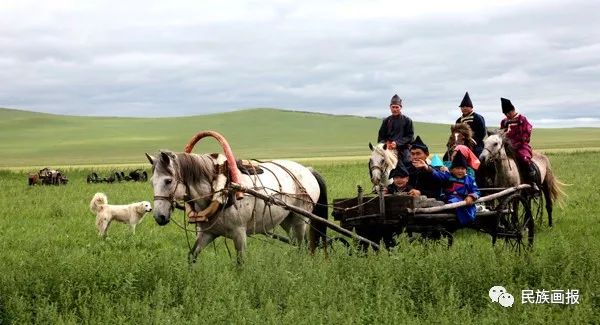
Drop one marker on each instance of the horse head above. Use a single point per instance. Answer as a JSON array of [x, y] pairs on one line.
[[460, 133], [172, 175], [495, 147], [381, 163]]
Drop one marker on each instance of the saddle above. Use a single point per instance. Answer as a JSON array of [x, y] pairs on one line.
[[249, 167]]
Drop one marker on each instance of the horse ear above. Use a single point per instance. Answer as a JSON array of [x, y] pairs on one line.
[[150, 159], [370, 146], [489, 132], [165, 158]]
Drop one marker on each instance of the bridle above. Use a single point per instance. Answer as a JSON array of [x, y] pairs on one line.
[[376, 167], [171, 197], [494, 156]]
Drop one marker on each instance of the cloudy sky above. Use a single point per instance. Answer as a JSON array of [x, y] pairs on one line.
[[175, 58]]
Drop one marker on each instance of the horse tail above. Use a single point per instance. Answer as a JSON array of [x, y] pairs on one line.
[[554, 185], [318, 230]]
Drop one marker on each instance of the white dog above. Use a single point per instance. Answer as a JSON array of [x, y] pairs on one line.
[[131, 214]]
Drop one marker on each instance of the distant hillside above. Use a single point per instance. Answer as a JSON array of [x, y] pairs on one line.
[[33, 139]]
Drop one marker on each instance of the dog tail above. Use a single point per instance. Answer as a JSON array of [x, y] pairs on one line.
[[98, 202]]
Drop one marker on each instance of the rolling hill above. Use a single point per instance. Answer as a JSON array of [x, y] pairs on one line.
[[37, 139]]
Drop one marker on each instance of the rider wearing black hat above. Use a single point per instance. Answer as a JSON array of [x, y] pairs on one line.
[[475, 121]]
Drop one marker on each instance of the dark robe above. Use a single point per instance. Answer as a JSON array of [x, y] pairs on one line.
[[400, 130], [425, 183]]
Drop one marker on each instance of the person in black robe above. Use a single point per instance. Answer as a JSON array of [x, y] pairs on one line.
[[397, 131]]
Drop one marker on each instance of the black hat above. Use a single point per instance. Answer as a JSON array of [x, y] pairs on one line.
[[396, 100], [466, 101], [418, 144], [507, 106], [459, 161], [399, 171]]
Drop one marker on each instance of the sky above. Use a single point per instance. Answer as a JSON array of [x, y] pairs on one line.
[[177, 58]]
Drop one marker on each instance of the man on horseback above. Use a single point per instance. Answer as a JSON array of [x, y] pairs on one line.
[[475, 121], [397, 131], [518, 130]]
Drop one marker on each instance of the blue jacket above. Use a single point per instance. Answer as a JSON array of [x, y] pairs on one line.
[[456, 190]]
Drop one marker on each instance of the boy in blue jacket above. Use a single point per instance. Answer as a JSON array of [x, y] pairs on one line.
[[458, 186]]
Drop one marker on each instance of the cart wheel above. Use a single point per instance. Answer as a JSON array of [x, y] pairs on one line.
[[515, 223], [536, 202]]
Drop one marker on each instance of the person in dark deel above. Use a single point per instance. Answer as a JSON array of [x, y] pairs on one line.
[[423, 183], [475, 121], [400, 184], [397, 131]]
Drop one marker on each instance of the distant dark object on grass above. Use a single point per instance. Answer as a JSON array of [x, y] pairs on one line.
[[137, 175], [47, 176]]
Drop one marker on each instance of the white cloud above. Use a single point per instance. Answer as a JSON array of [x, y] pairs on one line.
[[187, 57]]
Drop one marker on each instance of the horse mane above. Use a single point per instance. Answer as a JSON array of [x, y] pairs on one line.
[[508, 147], [391, 159], [191, 167], [465, 130]]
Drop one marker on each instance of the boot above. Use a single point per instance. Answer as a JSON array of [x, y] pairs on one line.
[[531, 175]]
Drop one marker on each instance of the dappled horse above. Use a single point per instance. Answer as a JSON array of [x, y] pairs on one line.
[[499, 152], [202, 179], [381, 163]]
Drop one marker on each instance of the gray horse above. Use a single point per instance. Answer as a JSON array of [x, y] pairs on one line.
[[197, 177], [381, 163], [499, 152]]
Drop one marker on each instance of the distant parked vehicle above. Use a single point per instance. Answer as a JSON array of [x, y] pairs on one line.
[[47, 176]]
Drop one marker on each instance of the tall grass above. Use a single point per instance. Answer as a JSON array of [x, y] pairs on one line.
[[54, 268]]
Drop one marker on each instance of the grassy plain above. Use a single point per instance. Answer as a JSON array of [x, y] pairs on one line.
[[54, 269], [35, 139]]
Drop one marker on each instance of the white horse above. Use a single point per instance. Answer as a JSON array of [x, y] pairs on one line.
[[381, 163], [202, 179], [499, 152]]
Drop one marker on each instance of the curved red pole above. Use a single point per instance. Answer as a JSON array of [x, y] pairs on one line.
[[234, 172]]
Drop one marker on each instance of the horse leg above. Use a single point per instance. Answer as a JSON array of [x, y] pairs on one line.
[[548, 198], [295, 225], [202, 241], [239, 240]]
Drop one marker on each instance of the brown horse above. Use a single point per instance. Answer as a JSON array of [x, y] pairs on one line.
[[460, 133]]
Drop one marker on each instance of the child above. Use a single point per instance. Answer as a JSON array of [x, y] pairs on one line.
[[472, 160], [400, 184], [458, 186]]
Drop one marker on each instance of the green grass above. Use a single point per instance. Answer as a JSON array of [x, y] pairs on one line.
[[35, 139], [54, 268]]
